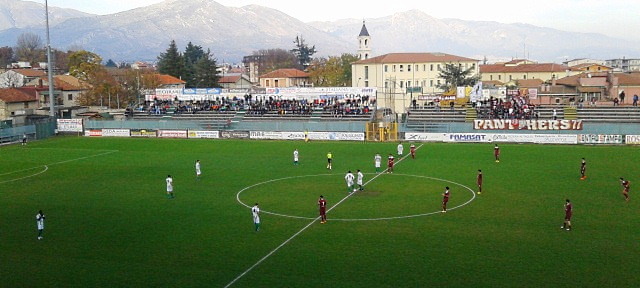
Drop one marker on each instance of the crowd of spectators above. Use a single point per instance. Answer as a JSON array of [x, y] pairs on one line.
[[515, 108], [337, 108]]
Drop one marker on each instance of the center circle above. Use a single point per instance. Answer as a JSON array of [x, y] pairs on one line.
[[355, 194]]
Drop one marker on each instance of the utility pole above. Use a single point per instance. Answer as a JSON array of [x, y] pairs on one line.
[[52, 107]]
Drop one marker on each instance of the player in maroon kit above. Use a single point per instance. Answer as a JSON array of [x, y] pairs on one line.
[[412, 149], [625, 190], [390, 164], [496, 153], [445, 199], [583, 169], [567, 215], [322, 204], [479, 181]]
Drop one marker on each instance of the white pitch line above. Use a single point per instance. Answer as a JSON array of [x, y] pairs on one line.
[[29, 176], [305, 228], [46, 166]]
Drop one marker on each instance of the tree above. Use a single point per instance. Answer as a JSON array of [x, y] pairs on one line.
[[30, 48], [303, 52], [454, 76], [171, 62], [333, 71], [206, 72], [192, 54], [61, 60], [274, 59], [84, 65], [6, 56], [111, 64]]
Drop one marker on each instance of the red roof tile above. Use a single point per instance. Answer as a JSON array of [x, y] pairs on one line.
[[414, 58], [12, 95], [523, 68], [30, 72], [229, 79], [164, 79]]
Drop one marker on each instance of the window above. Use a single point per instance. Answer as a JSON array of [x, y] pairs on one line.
[[70, 97], [26, 105], [408, 68], [386, 68], [366, 83], [267, 83], [438, 82], [401, 68], [431, 67], [401, 86], [490, 77], [276, 83], [524, 76], [416, 67], [430, 83], [386, 84], [393, 68], [424, 67], [408, 84], [510, 77], [438, 67], [366, 42], [366, 72], [499, 77]]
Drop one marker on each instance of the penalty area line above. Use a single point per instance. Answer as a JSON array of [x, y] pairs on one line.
[[303, 229]]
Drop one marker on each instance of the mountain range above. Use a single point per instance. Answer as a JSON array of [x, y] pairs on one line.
[[231, 33]]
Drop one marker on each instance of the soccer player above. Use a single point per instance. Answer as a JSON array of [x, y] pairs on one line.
[[295, 157], [306, 136], [390, 164], [479, 181], [400, 149], [567, 215], [583, 169], [329, 160], [169, 181], [198, 171], [255, 211], [349, 179], [445, 199], [496, 153], [360, 180], [24, 139], [378, 162], [322, 204], [40, 224], [412, 150], [625, 189]]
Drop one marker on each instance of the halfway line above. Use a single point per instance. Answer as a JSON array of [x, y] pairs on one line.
[[305, 228]]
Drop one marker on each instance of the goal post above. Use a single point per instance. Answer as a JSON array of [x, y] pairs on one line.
[[382, 131]]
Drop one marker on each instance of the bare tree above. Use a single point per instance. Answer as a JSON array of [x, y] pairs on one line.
[[30, 48]]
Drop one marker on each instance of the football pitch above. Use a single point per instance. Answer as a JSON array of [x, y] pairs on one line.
[[110, 224]]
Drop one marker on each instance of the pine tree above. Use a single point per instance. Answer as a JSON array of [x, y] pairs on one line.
[[205, 70], [171, 62], [303, 52]]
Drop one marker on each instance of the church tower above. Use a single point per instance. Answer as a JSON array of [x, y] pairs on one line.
[[364, 47]]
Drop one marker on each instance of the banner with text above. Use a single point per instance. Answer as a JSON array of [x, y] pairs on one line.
[[172, 133], [70, 125], [599, 139], [515, 124], [143, 133], [632, 139], [204, 134], [425, 137]]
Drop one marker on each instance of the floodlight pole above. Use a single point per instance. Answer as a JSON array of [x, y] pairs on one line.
[[52, 108]]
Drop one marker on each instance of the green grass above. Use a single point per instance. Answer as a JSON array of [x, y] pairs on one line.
[[109, 223]]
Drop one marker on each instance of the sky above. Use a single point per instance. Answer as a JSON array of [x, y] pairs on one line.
[[612, 17]]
